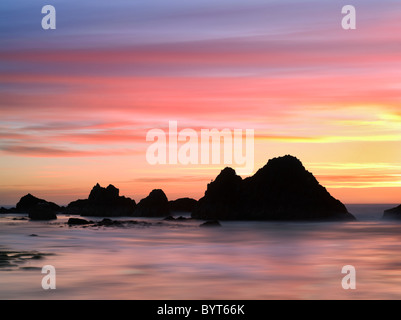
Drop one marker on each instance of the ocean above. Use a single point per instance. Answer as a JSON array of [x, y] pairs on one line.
[[180, 260]]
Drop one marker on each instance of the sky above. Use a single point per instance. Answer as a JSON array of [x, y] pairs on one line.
[[77, 102]]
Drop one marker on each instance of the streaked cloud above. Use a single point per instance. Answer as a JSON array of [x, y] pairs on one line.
[[286, 69]]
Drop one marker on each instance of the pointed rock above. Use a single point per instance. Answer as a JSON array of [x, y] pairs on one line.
[[282, 190], [222, 198], [29, 201], [103, 202], [154, 205]]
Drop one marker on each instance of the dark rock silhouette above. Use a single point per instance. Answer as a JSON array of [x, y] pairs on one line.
[[282, 190], [13, 259], [211, 223], [78, 221], [106, 222], [182, 204], [29, 202], [154, 205], [394, 213], [120, 223], [103, 202], [222, 198], [181, 218], [169, 218], [42, 211], [37, 209], [5, 210]]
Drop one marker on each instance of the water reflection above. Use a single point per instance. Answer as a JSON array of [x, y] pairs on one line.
[[241, 260]]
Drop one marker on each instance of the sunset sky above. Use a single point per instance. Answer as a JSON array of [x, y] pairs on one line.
[[76, 102]]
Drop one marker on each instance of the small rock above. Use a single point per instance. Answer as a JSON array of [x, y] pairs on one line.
[[211, 223], [108, 223], [77, 221], [169, 218]]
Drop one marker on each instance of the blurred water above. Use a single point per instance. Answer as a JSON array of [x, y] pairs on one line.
[[180, 260]]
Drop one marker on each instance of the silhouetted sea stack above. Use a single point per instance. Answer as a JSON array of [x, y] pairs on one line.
[[37, 209], [394, 213], [282, 190], [182, 204], [30, 202], [154, 205], [103, 202]]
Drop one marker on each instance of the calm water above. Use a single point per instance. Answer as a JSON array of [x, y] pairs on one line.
[[179, 260]]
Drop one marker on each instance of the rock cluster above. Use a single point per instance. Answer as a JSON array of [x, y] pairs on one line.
[[103, 202], [282, 190]]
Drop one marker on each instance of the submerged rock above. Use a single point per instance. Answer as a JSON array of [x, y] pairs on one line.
[[102, 202], [394, 213], [169, 218], [211, 223], [12, 259], [119, 223], [154, 205], [282, 190]]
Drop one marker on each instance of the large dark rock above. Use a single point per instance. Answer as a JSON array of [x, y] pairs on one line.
[[154, 205], [29, 202], [282, 190], [102, 202], [222, 198], [37, 209], [182, 204], [394, 213], [42, 211]]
